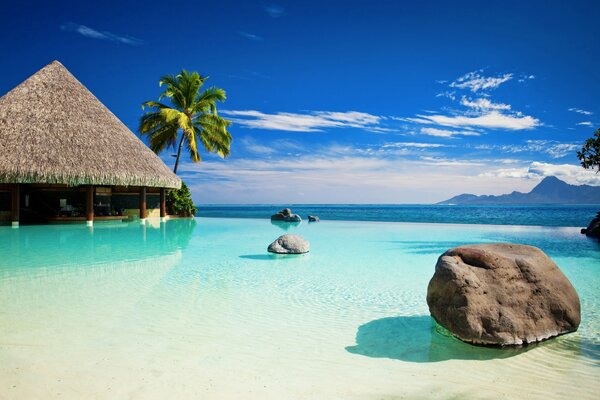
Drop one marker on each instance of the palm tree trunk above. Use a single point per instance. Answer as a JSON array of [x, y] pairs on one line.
[[179, 152]]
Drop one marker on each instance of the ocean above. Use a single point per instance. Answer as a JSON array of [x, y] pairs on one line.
[[532, 215]]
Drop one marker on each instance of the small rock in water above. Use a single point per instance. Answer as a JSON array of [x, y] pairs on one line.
[[286, 215], [593, 229], [313, 218], [289, 244], [502, 294]]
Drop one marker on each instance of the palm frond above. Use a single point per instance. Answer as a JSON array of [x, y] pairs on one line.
[[162, 137], [193, 113], [206, 101], [154, 104]]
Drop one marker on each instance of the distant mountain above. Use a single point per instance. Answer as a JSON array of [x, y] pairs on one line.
[[550, 190]]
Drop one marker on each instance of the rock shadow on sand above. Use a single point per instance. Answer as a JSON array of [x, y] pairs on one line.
[[419, 339]]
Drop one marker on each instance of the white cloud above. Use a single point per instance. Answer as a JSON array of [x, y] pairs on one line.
[[251, 36], [253, 147], [585, 123], [274, 10], [413, 144], [445, 162], [315, 121], [96, 34], [570, 173], [447, 133], [450, 95], [475, 82], [561, 150], [580, 111], [524, 78], [492, 119], [483, 104], [552, 148], [343, 178]]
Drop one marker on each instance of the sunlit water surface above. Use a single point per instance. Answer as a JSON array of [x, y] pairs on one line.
[[199, 309]]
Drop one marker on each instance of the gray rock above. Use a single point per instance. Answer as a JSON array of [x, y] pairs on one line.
[[593, 229], [289, 244], [293, 218], [286, 215], [313, 218], [502, 294]]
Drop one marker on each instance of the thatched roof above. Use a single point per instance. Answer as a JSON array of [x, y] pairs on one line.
[[54, 130]]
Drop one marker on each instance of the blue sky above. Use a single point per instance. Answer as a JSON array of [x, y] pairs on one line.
[[343, 102]]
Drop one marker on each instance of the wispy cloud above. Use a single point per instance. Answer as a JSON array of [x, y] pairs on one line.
[[315, 121], [447, 94], [445, 162], [96, 34], [253, 147], [550, 147], [585, 123], [413, 144], [483, 104], [251, 36], [479, 112], [447, 133], [524, 78], [344, 173], [274, 10], [580, 111], [270, 147], [326, 179], [476, 82], [492, 120]]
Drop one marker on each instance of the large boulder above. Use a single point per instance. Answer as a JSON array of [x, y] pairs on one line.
[[502, 294], [593, 229], [286, 215], [313, 218], [289, 244]]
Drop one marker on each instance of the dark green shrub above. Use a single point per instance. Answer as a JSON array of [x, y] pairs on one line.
[[179, 202]]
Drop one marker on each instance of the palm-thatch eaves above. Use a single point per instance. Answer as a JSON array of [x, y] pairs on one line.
[[54, 131]]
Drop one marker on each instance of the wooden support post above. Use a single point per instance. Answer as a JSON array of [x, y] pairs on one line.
[[89, 205], [143, 204], [163, 205], [15, 204]]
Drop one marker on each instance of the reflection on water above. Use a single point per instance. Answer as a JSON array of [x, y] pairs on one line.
[[286, 226], [272, 256], [419, 339], [57, 244]]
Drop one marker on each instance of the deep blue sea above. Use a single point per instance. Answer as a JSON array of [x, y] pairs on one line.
[[536, 215]]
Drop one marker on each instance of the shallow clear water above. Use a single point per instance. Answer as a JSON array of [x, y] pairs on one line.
[[538, 215], [199, 309]]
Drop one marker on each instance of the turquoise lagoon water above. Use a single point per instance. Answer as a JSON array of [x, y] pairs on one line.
[[199, 309]]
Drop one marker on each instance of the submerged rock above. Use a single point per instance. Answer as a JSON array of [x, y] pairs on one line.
[[286, 215], [289, 244], [313, 218], [593, 229], [502, 294]]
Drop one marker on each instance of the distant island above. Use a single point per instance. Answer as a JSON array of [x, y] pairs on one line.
[[550, 190]]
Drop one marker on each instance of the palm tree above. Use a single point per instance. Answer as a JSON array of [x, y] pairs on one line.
[[192, 114]]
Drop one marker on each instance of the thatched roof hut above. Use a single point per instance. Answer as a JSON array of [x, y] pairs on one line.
[[55, 131]]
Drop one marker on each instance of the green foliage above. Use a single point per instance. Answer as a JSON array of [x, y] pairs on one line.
[[179, 202], [191, 114], [590, 152]]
